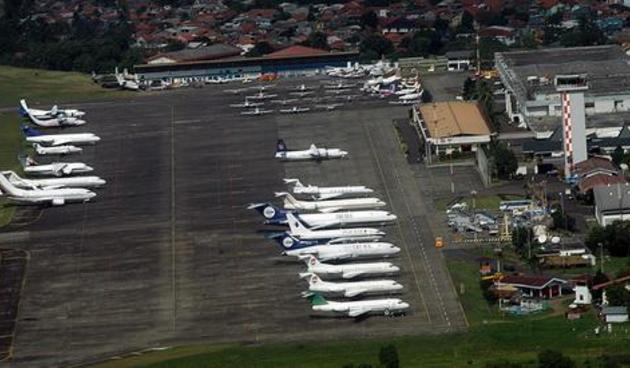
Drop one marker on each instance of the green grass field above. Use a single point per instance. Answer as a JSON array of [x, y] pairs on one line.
[[10, 144], [48, 87], [492, 337]]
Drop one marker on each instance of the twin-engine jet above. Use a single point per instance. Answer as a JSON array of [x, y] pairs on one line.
[[349, 289], [277, 216], [295, 110], [313, 153], [54, 197], [333, 205], [52, 183], [52, 118], [35, 136], [256, 111], [47, 114], [355, 309], [54, 169], [56, 150], [347, 270], [334, 251], [299, 230], [327, 192]]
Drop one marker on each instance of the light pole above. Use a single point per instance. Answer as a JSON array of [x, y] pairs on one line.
[[601, 257]]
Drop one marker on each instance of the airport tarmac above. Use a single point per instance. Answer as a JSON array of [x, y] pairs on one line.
[[168, 253]]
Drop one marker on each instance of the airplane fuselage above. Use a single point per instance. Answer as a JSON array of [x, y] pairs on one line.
[[353, 289], [380, 306], [344, 251], [333, 205], [58, 139], [352, 270]]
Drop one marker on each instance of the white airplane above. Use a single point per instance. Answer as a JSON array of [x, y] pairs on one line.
[[262, 96], [338, 91], [55, 197], [51, 183], [303, 87], [295, 110], [329, 107], [411, 96], [339, 85], [236, 91], [56, 150], [302, 94], [54, 169], [256, 111], [298, 230], [247, 103], [350, 289], [332, 205], [48, 114], [313, 153], [405, 91], [263, 88], [348, 270], [326, 192], [277, 216], [284, 101], [355, 309], [34, 136], [58, 120], [334, 251]]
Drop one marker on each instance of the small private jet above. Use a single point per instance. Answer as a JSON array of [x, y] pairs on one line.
[[49, 119], [350, 289], [256, 111], [302, 93], [303, 87], [51, 183], [57, 169], [329, 107], [56, 150], [35, 136], [348, 270], [320, 193], [262, 96], [313, 153], [54, 197], [284, 101], [247, 103], [295, 110]]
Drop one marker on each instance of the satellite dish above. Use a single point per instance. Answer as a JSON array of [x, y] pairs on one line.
[[542, 239], [555, 240], [623, 167]]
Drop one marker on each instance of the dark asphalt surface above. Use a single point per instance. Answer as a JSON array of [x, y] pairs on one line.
[[168, 254]]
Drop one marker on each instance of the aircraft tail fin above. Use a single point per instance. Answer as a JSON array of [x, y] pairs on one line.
[[288, 242], [281, 146], [295, 182], [287, 196], [296, 226], [54, 110], [270, 212], [30, 132], [7, 187], [23, 108], [317, 299]]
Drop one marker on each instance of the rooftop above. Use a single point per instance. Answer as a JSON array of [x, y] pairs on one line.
[[607, 68], [454, 118], [296, 51], [212, 52], [612, 197], [599, 180], [595, 164], [532, 282]]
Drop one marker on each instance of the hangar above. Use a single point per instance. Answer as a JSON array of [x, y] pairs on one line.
[[294, 60]]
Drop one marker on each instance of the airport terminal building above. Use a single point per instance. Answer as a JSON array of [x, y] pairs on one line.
[[294, 60], [531, 98]]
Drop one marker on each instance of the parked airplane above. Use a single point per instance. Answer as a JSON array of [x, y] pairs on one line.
[[338, 92], [55, 197], [303, 87], [332, 205], [298, 230], [284, 101], [302, 94], [247, 103], [262, 96], [54, 169], [35, 136], [329, 107], [48, 114], [51, 183], [56, 150], [359, 308], [339, 85], [347, 270], [49, 121], [295, 110], [326, 192], [349, 289], [313, 153], [256, 111], [334, 251], [405, 91], [236, 91], [411, 96], [277, 216]]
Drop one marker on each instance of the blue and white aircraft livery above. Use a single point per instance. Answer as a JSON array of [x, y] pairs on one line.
[[328, 206], [298, 230], [35, 136]]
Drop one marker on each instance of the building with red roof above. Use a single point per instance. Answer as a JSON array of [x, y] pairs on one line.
[[531, 285], [296, 51]]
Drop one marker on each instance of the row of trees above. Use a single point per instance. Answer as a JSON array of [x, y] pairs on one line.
[[83, 45], [614, 238]]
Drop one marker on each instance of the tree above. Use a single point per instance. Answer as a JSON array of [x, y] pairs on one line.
[[618, 155], [615, 238], [423, 43], [376, 45], [505, 163], [388, 357], [521, 240], [467, 23], [369, 19], [318, 40], [599, 278], [618, 295], [260, 49], [587, 33], [561, 220], [554, 359], [468, 89], [174, 45]]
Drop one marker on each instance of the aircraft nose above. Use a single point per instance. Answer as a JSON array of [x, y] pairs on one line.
[[91, 194], [404, 305], [89, 168], [101, 181], [392, 216], [395, 250], [394, 268], [397, 286], [80, 122]]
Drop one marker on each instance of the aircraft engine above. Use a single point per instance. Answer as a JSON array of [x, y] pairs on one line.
[[58, 202]]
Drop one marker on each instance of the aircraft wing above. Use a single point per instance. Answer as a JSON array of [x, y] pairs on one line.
[[351, 275], [355, 292], [358, 311], [324, 225], [330, 209], [65, 169], [329, 196], [60, 141]]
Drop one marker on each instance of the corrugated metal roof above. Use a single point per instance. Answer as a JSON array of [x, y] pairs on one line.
[[296, 51], [454, 118]]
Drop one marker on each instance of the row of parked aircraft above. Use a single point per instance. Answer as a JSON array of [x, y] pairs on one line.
[[327, 232], [54, 186]]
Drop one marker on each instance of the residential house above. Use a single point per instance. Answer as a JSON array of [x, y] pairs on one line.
[[614, 314], [544, 287]]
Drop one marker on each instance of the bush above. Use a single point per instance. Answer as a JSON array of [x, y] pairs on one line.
[[388, 357]]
